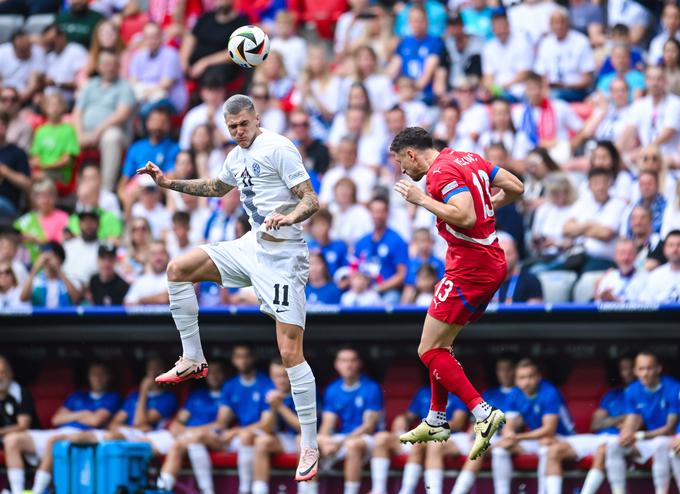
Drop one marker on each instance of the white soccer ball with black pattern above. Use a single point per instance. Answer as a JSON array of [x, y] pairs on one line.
[[248, 46]]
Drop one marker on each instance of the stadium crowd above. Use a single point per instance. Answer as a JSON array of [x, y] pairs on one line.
[[581, 100], [252, 414]]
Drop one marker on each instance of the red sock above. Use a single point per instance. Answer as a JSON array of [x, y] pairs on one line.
[[448, 375]]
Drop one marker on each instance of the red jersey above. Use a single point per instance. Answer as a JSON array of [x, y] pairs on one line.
[[454, 172]]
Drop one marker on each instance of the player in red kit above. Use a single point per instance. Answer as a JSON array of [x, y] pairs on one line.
[[458, 186]]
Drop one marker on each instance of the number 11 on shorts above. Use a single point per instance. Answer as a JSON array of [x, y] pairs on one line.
[[277, 300]]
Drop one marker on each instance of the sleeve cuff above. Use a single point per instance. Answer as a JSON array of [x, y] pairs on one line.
[[454, 192], [493, 172]]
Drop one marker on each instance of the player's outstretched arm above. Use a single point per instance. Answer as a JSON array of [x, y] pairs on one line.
[[202, 187], [308, 205], [458, 211], [511, 187]]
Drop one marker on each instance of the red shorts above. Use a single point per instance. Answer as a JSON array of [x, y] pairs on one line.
[[463, 299]]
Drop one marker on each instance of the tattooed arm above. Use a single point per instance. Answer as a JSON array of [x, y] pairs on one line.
[[308, 205], [203, 187]]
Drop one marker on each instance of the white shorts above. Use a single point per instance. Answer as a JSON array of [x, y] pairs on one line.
[[586, 444], [328, 462], [40, 439], [288, 442], [463, 442], [277, 271], [161, 441], [647, 448]]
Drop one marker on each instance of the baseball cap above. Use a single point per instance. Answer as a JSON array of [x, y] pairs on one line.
[[88, 213], [106, 250]]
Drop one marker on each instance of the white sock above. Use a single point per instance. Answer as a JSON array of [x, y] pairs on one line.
[[244, 465], [593, 481], [675, 465], [464, 482], [41, 482], [199, 457], [661, 469], [412, 472], [184, 309], [435, 418], [501, 470], [351, 487], [260, 487], [615, 465], [303, 387], [482, 411], [379, 470], [309, 487], [542, 466], [17, 480], [434, 481], [553, 484], [166, 481]]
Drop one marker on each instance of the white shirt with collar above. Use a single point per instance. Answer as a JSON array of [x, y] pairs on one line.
[[146, 285], [650, 119], [662, 286], [14, 72], [565, 61], [505, 60], [64, 67], [620, 285], [608, 214]]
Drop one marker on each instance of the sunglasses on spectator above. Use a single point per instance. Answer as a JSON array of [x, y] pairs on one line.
[[260, 96], [7, 271], [138, 227], [650, 158], [299, 124], [9, 99]]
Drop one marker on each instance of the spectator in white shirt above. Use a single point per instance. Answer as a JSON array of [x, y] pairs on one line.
[[210, 111], [615, 285], [351, 26], [630, 13], [566, 59], [9, 253], [64, 61], [366, 72], [608, 118], [605, 155], [547, 229], [417, 113], [81, 251], [464, 56], [347, 166], [351, 220], [474, 116], [287, 43], [178, 239], [271, 117], [670, 21], [10, 292], [149, 206], [506, 60], [594, 220], [23, 65], [663, 284], [532, 18], [447, 129], [671, 216], [502, 130], [547, 122], [151, 288], [367, 128], [650, 160], [361, 292], [648, 244], [654, 119]]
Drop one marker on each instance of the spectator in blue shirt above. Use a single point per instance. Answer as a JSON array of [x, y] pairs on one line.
[[477, 19], [197, 418], [352, 412], [498, 397], [519, 285], [383, 253], [607, 419], [535, 405], [280, 425], [418, 55], [157, 146], [436, 18], [422, 244], [320, 288], [82, 410], [651, 408], [333, 251]]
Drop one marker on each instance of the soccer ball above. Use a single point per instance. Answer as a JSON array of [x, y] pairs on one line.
[[248, 46]]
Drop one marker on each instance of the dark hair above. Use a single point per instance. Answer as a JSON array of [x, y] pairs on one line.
[[426, 268], [672, 233], [527, 362], [412, 137], [599, 172], [276, 361], [534, 77], [620, 30], [416, 6], [56, 248], [650, 173], [317, 253], [348, 348], [88, 164], [54, 26], [507, 357], [5, 118], [439, 144], [17, 34], [323, 214], [368, 108], [646, 351], [613, 154], [677, 45], [160, 109], [382, 199], [546, 158], [181, 217]]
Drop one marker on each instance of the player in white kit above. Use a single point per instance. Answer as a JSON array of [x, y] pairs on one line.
[[272, 258]]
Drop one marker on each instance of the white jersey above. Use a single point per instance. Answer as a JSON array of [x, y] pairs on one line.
[[264, 174]]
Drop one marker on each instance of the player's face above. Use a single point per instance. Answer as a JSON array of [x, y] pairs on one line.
[[348, 364], [647, 370], [671, 249], [6, 376], [407, 160], [505, 373], [278, 375], [242, 360], [243, 127], [215, 378], [527, 379], [626, 370], [98, 377]]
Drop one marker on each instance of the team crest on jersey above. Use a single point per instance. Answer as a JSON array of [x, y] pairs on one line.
[[256, 169]]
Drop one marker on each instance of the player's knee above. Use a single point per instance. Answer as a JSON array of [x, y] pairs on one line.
[[383, 439], [263, 442], [12, 441], [356, 445], [246, 437], [555, 452], [175, 271]]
